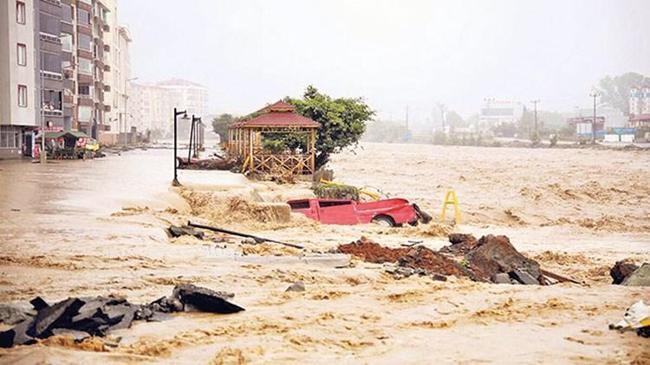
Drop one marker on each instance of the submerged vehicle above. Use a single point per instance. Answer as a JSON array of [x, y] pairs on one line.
[[387, 212]]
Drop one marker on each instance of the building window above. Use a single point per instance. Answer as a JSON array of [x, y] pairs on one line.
[[85, 90], [22, 54], [51, 62], [85, 42], [66, 13], [83, 17], [20, 12], [85, 112], [22, 96], [85, 66], [66, 42], [9, 137]]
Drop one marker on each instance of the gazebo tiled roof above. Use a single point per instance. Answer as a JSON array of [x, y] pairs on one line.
[[279, 114]]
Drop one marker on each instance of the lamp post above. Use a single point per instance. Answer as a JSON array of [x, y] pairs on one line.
[[176, 114], [594, 94], [193, 137]]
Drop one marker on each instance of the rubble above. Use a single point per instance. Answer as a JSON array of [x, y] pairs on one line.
[[217, 163], [297, 286], [431, 262], [370, 251], [95, 316], [621, 270], [416, 258], [495, 254], [640, 277], [489, 259], [461, 243], [13, 314], [177, 231]]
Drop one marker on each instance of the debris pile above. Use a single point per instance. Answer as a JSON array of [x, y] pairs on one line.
[[433, 263], [461, 243], [370, 251], [621, 270], [494, 255], [489, 259], [95, 316], [416, 260], [216, 163], [626, 272]]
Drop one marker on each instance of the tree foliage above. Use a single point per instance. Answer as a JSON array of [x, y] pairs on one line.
[[220, 125], [615, 90], [342, 120]]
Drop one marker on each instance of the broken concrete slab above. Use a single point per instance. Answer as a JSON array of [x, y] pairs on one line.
[[297, 286], [78, 336], [621, 270], [640, 276], [95, 316], [185, 230], [461, 243], [201, 299], [501, 278], [13, 314], [523, 277]]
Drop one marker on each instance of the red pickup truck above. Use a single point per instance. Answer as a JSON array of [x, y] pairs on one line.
[[387, 212]]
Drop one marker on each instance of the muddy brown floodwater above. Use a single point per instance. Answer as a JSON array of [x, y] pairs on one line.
[[78, 228]]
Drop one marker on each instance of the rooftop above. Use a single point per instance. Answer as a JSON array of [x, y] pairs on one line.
[[278, 114]]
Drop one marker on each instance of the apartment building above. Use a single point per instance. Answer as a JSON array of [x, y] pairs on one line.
[[58, 68], [639, 102], [151, 105], [18, 78]]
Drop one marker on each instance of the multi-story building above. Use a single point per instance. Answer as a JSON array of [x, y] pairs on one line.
[[151, 105], [18, 78], [59, 65], [639, 107]]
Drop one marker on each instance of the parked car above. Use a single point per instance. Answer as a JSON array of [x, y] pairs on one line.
[[387, 212]]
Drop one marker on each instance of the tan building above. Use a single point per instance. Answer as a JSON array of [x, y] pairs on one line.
[[19, 95]]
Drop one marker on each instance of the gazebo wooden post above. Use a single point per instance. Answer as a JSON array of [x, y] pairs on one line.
[[312, 150], [252, 153]]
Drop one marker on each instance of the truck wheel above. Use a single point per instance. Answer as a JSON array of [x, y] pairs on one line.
[[383, 221]]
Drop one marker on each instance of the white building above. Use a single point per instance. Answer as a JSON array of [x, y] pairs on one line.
[[118, 39], [19, 94], [639, 101], [496, 112], [151, 105]]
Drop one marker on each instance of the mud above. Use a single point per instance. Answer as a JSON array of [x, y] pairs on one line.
[[356, 312]]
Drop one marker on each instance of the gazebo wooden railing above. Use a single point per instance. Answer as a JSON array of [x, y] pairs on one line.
[[245, 140]]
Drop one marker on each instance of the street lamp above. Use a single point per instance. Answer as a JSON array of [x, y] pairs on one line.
[[594, 94], [195, 121], [176, 114]]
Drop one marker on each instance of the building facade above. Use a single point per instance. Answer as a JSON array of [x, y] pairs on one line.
[[151, 105], [19, 95], [639, 107], [59, 65]]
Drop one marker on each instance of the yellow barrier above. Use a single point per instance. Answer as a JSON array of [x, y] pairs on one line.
[[450, 198]]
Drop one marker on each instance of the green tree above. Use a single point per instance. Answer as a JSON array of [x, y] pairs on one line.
[[220, 125], [615, 91], [342, 120]]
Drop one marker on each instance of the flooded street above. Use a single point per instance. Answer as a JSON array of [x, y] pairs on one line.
[[77, 228]]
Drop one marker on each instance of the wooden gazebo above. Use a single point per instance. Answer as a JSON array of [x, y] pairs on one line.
[[246, 141]]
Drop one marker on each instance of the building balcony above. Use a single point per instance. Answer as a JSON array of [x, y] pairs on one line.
[[46, 37], [51, 75]]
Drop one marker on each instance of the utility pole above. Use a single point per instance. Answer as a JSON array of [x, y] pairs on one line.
[[594, 94], [535, 108]]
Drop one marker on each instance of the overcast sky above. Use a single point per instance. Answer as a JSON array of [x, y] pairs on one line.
[[393, 53]]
